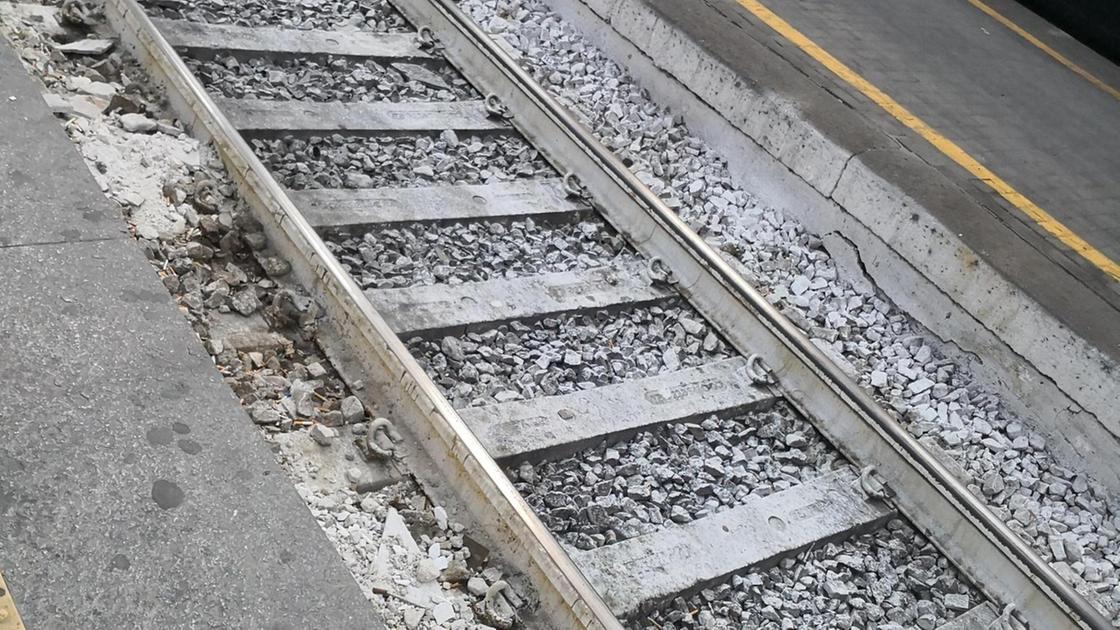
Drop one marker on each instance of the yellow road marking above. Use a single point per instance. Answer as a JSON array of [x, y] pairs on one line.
[[1057, 56], [9, 616], [1042, 218]]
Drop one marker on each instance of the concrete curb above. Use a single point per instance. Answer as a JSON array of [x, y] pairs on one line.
[[867, 194]]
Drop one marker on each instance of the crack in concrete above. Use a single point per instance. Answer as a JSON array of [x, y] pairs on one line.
[[1037, 370], [73, 241], [840, 177]]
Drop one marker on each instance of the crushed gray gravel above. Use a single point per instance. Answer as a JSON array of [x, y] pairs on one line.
[[559, 355], [334, 79], [474, 252], [890, 354], [672, 474], [889, 579], [366, 15], [359, 162]]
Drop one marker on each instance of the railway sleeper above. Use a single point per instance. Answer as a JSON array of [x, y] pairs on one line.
[[257, 117], [346, 208], [556, 426], [640, 571], [205, 39], [433, 310]]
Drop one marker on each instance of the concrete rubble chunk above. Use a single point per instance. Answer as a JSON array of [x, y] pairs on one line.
[[396, 529], [426, 571], [99, 89], [352, 410], [91, 47], [88, 107], [420, 74], [323, 435], [137, 123], [958, 602], [443, 612], [477, 586], [412, 617], [263, 413]]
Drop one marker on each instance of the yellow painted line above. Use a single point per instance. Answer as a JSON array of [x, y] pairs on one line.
[[1042, 218], [9, 616], [1057, 56]]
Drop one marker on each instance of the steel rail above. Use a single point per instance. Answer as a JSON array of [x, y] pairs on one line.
[[566, 595], [955, 520]]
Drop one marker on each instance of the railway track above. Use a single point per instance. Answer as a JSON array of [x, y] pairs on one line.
[[525, 303]]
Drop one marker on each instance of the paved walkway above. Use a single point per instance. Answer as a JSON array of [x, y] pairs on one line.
[[134, 492]]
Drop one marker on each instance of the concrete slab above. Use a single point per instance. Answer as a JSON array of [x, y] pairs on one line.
[[258, 116], [134, 492], [756, 534], [134, 488], [555, 426], [199, 37], [33, 207], [444, 309], [348, 207]]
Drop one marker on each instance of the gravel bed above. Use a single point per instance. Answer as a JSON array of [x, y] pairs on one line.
[[559, 355], [889, 579], [1067, 517], [672, 474], [474, 252], [364, 162], [366, 15], [336, 79]]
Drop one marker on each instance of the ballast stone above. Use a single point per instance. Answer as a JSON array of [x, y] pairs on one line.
[[323, 435], [352, 410], [137, 123]]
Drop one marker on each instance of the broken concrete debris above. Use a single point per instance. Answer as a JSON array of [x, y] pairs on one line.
[[259, 328], [91, 47]]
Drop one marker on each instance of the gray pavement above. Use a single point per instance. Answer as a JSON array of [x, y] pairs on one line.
[[134, 492], [1051, 134]]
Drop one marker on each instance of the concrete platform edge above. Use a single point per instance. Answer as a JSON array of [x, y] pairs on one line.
[[873, 226]]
